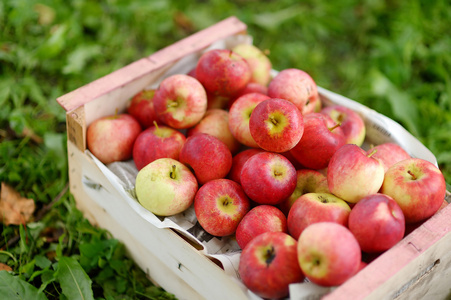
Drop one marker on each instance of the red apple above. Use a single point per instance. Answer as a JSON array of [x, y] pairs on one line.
[[220, 205], [251, 87], [377, 222], [238, 162], [165, 187], [216, 123], [353, 173], [268, 265], [240, 114], [276, 125], [111, 138], [296, 86], [418, 187], [296, 164], [157, 142], [389, 154], [350, 122], [254, 87], [268, 178], [321, 138], [223, 72], [180, 101], [259, 63], [316, 207], [314, 105], [207, 156], [260, 219], [328, 253], [217, 101], [141, 108], [308, 181]]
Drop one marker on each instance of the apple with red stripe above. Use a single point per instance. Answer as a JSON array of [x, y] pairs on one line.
[[180, 101], [268, 265], [276, 125], [220, 205]]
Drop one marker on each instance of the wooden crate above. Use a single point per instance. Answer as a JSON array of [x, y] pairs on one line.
[[419, 267]]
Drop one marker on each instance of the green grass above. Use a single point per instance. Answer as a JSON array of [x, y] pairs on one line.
[[393, 56]]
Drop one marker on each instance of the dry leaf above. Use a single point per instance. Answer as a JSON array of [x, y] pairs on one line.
[[5, 267], [14, 209], [182, 21]]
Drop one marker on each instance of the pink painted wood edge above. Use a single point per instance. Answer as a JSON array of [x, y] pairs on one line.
[[139, 68], [395, 259]]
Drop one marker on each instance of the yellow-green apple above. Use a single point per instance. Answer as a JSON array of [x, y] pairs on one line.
[[353, 173], [417, 185], [350, 122], [207, 156], [180, 101], [296, 86], [377, 222], [321, 138], [220, 205], [157, 141], [216, 123], [389, 154], [307, 181], [268, 265], [240, 114], [259, 64], [141, 107], [238, 162], [260, 219], [165, 187], [111, 138], [328, 253], [268, 178], [316, 207], [223, 72], [276, 125]]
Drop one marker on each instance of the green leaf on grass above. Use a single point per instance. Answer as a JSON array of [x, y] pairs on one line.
[[12, 287], [74, 281], [77, 59], [402, 105]]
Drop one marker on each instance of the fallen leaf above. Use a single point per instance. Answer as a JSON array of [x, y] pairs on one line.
[[14, 209], [183, 21], [4, 267], [33, 136]]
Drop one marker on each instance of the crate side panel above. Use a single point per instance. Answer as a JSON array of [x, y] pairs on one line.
[[434, 280]]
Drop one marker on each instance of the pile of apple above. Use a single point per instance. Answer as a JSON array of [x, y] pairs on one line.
[[261, 159]]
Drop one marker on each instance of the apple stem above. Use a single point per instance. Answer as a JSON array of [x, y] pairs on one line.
[[156, 126], [172, 104], [278, 173], [269, 257], [335, 126], [411, 174], [172, 173], [372, 153], [273, 120]]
